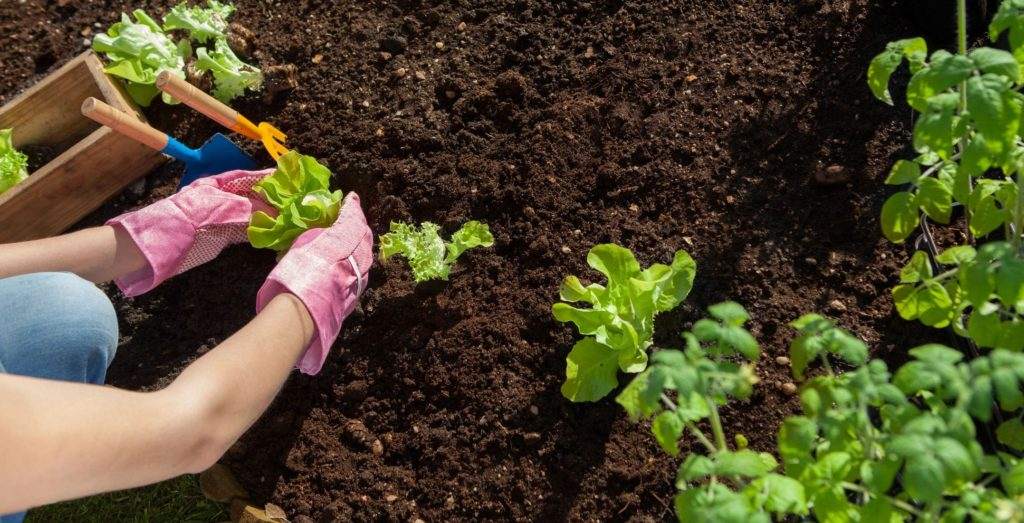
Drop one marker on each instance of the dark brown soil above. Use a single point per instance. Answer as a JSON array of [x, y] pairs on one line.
[[658, 124]]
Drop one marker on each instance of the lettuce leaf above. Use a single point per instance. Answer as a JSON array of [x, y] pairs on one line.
[[300, 191], [429, 256], [620, 319], [202, 23], [139, 51], [13, 164], [231, 76]]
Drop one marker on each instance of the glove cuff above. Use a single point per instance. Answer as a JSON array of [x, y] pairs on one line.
[[164, 234], [330, 292]]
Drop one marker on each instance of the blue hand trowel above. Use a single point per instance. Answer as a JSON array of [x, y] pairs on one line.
[[217, 155]]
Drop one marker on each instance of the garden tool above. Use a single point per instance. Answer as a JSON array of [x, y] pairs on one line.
[[217, 155], [195, 98]]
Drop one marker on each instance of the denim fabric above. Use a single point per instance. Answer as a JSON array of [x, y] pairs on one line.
[[57, 326]]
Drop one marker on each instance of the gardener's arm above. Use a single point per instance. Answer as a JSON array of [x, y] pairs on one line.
[[65, 440], [97, 254]]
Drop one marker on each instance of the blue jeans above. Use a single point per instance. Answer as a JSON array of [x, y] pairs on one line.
[[57, 326]]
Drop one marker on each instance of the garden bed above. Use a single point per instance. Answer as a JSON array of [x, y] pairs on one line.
[[659, 125]]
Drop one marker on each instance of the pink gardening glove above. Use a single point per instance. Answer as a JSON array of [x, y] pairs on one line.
[[191, 227], [327, 269]]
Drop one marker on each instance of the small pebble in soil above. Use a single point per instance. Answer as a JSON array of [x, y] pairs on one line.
[[384, 56], [789, 388], [832, 175], [691, 77], [379, 133], [377, 447], [317, 58], [420, 75], [566, 249], [399, 73], [390, 498], [531, 438], [461, 26], [534, 410], [837, 306], [439, 45], [782, 360]]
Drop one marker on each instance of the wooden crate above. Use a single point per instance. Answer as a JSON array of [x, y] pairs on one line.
[[94, 163]]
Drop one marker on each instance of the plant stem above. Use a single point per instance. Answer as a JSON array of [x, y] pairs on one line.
[[697, 433], [828, 365], [902, 505], [716, 426], [961, 26], [961, 40]]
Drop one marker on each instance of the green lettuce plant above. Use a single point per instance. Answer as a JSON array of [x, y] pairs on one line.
[[13, 163], [300, 191], [619, 324], [202, 23], [231, 76], [429, 256], [138, 51]]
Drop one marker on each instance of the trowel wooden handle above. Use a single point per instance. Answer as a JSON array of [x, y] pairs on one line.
[[195, 98], [123, 123]]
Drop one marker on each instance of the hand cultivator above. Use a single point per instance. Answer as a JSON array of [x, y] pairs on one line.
[[271, 137]]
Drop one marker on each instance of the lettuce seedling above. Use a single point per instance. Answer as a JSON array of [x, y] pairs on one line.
[[231, 76], [202, 23], [13, 164], [139, 51], [619, 324], [300, 191], [429, 256]]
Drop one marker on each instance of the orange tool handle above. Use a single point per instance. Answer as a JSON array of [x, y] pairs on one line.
[[206, 104], [123, 123]]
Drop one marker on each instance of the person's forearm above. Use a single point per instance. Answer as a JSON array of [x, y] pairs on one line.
[[64, 440], [97, 254]]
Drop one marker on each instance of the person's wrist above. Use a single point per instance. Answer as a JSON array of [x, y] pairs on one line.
[[291, 304]]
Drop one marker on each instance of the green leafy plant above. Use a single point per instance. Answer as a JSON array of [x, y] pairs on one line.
[[202, 23], [682, 388], [139, 51], [300, 191], [231, 76], [970, 154], [868, 446], [619, 325], [429, 256], [13, 163]]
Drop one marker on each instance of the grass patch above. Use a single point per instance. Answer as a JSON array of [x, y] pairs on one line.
[[178, 499]]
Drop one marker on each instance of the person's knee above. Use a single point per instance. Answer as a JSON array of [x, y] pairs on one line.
[[76, 332]]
